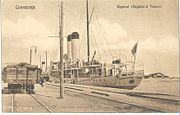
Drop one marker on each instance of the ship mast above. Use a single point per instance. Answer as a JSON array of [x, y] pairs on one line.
[[88, 47]]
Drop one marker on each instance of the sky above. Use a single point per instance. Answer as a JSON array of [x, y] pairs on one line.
[[113, 31]]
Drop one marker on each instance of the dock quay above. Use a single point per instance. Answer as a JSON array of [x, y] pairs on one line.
[[81, 98]]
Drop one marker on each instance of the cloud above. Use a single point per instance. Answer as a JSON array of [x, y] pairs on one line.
[[156, 54], [165, 45], [21, 35], [117, 38], [27, 32], [112, 32]]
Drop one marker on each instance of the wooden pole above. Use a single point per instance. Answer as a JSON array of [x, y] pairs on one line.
[[46, 61], [27, 72], [40, 62], [16, 74], [30, 57], [61, 73]]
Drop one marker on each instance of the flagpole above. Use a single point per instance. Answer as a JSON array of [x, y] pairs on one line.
[[134, 64]]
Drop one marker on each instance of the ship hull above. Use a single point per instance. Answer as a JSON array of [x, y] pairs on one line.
[[122, 82], [128, 82]]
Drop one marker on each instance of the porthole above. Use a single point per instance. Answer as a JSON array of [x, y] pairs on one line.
[[131, 81]]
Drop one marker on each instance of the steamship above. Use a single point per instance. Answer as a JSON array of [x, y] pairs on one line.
[[93, 72]]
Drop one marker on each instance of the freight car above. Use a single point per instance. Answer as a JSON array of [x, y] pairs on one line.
[[21, 77]]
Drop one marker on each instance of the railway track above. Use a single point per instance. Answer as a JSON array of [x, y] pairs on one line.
[[129, 93], [43, 105], [141, 101], [121, 102], [14, 107], [155, 95]]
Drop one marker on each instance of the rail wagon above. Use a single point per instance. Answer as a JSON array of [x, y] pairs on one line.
[[21, 77]]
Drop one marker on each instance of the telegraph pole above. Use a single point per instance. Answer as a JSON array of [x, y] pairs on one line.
[[61, 73], [60, 65]]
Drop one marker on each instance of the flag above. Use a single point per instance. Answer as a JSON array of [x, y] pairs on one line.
[[134, 50]]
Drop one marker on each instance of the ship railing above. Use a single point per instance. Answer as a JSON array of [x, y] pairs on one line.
[[130, 65], [131, 72]]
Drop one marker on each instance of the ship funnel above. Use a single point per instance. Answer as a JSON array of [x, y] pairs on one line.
[[69, 46], [75, 46]]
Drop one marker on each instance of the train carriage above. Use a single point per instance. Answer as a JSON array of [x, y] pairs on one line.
[[21, 77]]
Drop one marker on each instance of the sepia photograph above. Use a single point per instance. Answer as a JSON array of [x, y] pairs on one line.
[[90, 56]]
